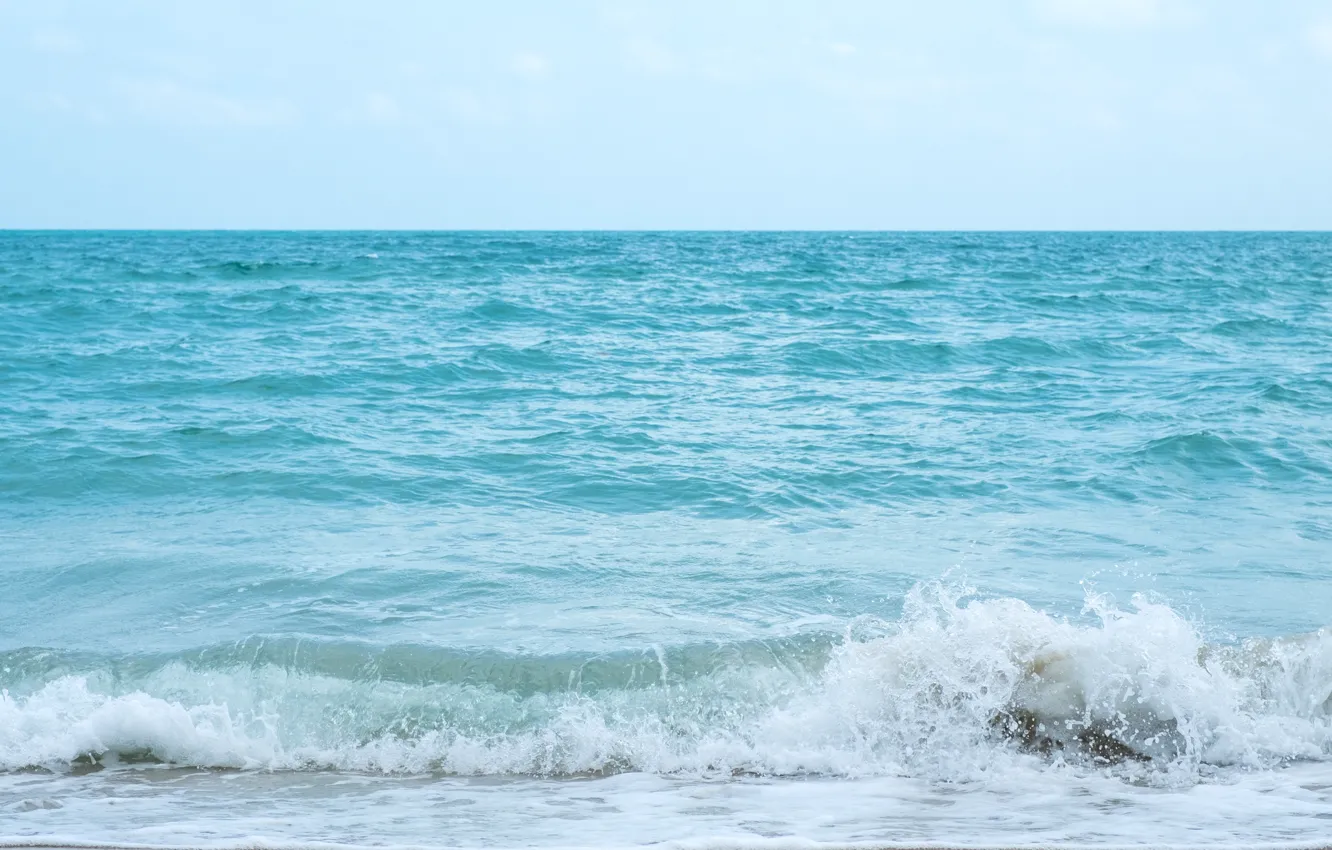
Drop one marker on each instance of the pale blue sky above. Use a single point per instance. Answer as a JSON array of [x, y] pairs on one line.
[[910, 115]]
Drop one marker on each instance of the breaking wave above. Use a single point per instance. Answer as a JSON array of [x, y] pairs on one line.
[[953, 689]]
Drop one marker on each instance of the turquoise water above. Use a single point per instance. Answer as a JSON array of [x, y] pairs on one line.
[[440, 539]]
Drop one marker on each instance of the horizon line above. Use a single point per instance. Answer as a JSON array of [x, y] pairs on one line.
[[654, 230]]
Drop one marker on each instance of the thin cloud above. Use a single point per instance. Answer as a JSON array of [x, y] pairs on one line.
[[1320, 38], [379, 108], [56, 41], [650, 57], [169, 101], [531, 65]]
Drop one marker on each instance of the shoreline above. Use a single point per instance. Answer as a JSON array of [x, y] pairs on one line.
[[757, 843]]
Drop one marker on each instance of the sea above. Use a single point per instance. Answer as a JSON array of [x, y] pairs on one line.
[[710, 541]]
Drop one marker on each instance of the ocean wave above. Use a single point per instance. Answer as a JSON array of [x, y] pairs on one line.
[[956, 687], [1213, 454]]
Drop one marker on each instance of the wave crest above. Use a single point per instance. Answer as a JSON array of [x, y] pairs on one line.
[[954, 688]]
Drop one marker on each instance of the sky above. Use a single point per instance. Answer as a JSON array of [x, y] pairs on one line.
[[826, 114]]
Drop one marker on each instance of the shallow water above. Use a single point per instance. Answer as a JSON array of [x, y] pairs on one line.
[[609, 539]]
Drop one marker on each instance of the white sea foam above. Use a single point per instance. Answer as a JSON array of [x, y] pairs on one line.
[[953, 691], [1018, 808]]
